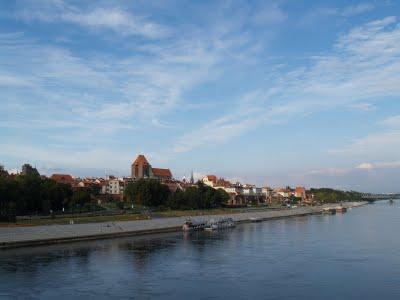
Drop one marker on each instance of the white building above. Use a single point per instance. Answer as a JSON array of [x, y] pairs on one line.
[[113, 186], [267, 191], [210, 180]]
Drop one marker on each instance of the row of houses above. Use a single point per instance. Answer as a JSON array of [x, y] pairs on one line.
[[110, 185], [114, 186], [240, 194]]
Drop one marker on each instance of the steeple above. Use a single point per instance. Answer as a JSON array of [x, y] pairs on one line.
[[191, 178]]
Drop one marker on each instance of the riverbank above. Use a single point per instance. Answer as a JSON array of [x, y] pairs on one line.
[[99, 217], [52, 234]]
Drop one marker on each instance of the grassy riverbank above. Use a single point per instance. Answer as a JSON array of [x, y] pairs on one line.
[[22, 236], [61, 220], [130, 215]]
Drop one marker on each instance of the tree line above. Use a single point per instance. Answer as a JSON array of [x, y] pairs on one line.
[[29, 193], [152, 193], [326, 195]]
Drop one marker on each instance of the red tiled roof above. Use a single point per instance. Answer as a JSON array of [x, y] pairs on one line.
[[62, 178], [141, 159], [212, 178], [223, 182], [162, 172], [300, 189]]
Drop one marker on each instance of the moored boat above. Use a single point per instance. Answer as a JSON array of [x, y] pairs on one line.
[[341, 209], [220, 224], [189, 225], [329, 211]]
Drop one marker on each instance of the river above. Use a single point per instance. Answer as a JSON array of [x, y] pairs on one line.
[[355, 255]]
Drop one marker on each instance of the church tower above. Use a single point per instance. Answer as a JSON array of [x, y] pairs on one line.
[[141, 168]]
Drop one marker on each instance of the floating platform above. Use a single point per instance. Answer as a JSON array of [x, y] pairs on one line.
[[340, 209], [329, 211]]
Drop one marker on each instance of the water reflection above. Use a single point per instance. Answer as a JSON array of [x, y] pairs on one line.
[[353, 255]]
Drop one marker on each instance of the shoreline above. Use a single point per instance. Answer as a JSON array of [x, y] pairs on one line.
[[15, 237]]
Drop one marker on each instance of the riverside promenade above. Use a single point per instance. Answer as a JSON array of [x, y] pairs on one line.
[[11, 237]]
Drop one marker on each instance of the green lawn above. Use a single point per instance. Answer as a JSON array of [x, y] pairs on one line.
[[129, 216]]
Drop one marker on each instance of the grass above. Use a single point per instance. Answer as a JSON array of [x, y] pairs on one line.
[[77, 220], [130, 216]]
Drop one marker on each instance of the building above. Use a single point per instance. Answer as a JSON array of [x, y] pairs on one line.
[[141, 168], [300, 192], [63, 178], [236, 200], [240, 195], [162, 174], [286, 192], [267, 191], [210, 180], [27, 169], [191, 178], [115, 187]]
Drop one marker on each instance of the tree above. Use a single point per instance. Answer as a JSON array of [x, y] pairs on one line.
[[3, 171], [80, 197], [147, 192], [9, 194], [326, 195], [27, 169], [31, 194], [200, 197]]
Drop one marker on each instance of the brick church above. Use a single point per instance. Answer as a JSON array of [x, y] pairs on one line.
[[141, 168]]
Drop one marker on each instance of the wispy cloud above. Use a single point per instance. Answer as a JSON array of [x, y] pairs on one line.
[[363, 106], [322, 13], [354, 72], [365, 166], [393, 122], [87, 98], [119, 20], [385, 142], [129, 90], [353, 10], [270, 14], [366, 177]]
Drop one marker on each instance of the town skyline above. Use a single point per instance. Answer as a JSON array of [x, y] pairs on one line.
[[270, 93], [166, 175]]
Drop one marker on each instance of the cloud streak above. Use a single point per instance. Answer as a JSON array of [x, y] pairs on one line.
[[355, 71], [119, 20]]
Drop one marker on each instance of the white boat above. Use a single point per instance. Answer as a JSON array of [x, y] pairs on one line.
[[255, 219], [190, 226], [329, 211], [211, 227], [220, 224]]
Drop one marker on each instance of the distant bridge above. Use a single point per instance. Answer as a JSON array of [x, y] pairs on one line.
[[373, 197]]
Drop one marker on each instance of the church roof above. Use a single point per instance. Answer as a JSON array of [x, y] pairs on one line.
[[161, 172], [141, 159]]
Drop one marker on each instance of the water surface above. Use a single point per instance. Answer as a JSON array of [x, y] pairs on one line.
[[355, 255]]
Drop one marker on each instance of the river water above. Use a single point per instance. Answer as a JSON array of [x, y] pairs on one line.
[[355, 255]]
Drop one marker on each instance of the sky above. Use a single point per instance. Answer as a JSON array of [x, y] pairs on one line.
[[267, 92]]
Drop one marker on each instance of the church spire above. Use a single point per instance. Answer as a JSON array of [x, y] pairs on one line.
[[191, 178]]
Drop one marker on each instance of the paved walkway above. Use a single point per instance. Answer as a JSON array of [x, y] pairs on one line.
[[23, 236]]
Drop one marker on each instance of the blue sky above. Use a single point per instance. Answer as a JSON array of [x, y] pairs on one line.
[[268, 92]]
